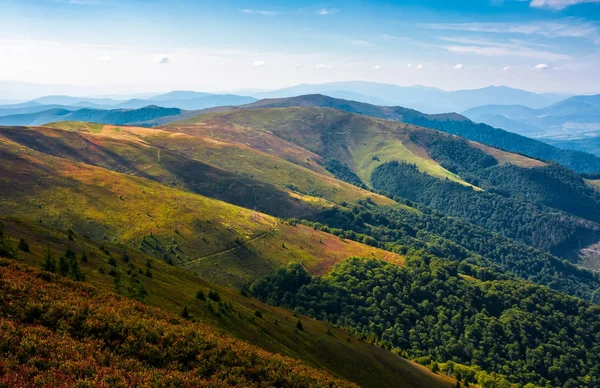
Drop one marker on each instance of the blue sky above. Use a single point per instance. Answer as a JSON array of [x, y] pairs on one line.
[[121, 46]]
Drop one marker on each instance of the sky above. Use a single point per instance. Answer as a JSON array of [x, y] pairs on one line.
[[100, 47]]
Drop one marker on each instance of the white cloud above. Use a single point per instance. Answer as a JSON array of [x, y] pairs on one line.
[[360, 42], [327, 11], [459, 66], [419, 67], [323, 66], [104, 58], [377, 67], [261, 12], [541, 66], [161, 59], [409, 66], [259, 64], [563, 28], [558, 4], [507, 68], [514, 48]]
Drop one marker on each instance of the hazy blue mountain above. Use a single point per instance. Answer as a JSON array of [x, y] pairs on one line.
[[144, 116], [589, 145], [573, 118], [208, 101], [419, 97], [32, 109], [70, 100], [178, 95], [500, 121], [187, 100]]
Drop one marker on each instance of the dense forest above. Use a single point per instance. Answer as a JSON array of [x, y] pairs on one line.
[[523, 332], [499, 138], [401, 229], [533, 224], [553, 185]]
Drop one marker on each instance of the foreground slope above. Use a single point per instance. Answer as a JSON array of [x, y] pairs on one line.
[[141, 276], [55, 332]]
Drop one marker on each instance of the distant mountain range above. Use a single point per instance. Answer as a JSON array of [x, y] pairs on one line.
[[423, 98], [576, 117], [142, 116]]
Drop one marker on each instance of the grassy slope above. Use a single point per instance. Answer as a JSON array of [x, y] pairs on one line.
[[178, 152], [172, 288], [225, 243], [133, 156], [361, 142], [59, 333]]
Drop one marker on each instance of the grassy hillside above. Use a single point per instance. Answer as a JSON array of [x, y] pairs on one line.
[[172, 289], [222, 242], [451, 123], [203, 165], [361, 142], [57, 333]]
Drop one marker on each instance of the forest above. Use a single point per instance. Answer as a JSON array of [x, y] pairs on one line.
[[435, 313]]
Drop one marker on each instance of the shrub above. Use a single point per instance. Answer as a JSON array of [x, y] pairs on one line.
[[214, 295], [23, 245]]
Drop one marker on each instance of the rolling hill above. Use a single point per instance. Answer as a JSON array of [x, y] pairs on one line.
[[450, 122], [362, 144], [99, 213]]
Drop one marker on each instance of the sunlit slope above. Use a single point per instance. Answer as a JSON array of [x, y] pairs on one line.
[[362, 142], [232, 172], [222, 242]]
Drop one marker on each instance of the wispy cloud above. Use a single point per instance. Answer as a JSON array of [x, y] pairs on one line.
[[261, 12], [358, 42], [514, 48], [323, 66], [541, 67], [573, 28], [459, 66], [377, 67], [558, 4], [259, 64], [327, 11], [507, 68]]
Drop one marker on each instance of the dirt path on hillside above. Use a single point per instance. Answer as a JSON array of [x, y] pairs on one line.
[[261, 236]]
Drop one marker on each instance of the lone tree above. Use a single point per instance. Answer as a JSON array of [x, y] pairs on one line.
[[23, 245], [49, 263], [299, 325]]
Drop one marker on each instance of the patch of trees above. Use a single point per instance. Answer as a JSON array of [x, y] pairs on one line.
[[533, 224], [342, 172], [577, 161], [524, 332], [401, 229], [553, 185]]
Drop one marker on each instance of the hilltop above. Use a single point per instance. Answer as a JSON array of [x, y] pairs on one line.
[[452, 123]]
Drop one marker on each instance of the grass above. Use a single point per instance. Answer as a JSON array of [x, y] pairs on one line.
[[504, 157], [77, 126], [172, 288], [224, 243], [232, 172], [359, 141]]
